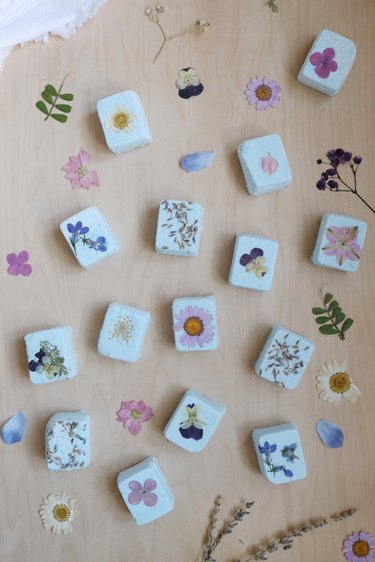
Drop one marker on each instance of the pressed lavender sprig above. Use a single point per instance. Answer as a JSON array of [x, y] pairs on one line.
[[227, 529], [154, 12], [285, 540], [331, 179]]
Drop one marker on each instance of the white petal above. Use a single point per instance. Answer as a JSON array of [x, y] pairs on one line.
[[336, 366]]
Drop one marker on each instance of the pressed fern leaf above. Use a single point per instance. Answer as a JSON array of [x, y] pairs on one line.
[[51, 96], [330, 318]]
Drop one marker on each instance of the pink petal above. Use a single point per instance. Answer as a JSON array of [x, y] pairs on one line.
[[85, 182], [135, 486], [25, 269], [13, 269], [84, 157], [93, 177], [340, 255], [329, 53], [74, 183], [71, 176], [75, 162], [322, 71], [353, 251], [316, 58], [23, 256], [334, 233], [135, 427], [134, 498], [149, 485], [265, 80], [262, 105], [12, 259], [330, 250], [69, 167], [132, 405], [147, 415], [332, 66], [349, 234], [150, 499]]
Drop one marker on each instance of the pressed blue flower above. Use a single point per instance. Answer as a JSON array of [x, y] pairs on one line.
[[287, 472], [267, 448], [99, 245], [288, 452], [77, 228]]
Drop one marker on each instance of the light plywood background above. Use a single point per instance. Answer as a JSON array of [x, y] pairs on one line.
[[112, 53]]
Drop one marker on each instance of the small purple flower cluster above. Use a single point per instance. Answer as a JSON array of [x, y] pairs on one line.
[[336, 158]]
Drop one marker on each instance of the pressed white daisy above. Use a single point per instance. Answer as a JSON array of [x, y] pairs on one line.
[[334, 383], [58, 512], [120, 120]]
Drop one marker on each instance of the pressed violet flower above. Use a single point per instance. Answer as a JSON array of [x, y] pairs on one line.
[[58, 512], [17, 264], [359, 547], [100, 244], [196, 325], [192, 427], [188, 83], [324, 63], [288, 452], [263, 93], [342, 243], [77, 171], [132, 414], [334, 383], [254, 262], [143, 493]]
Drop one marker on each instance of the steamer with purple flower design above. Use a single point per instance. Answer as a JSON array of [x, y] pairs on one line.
[[194, 323]]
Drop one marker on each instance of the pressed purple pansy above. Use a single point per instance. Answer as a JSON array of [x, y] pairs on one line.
[[196, 325], [359, 547], [143, 493], [254, 262], [17, 264], [324, 63], [192, 427]]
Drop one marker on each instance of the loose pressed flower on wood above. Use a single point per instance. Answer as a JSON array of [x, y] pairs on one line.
[[51, 96], [154, 13], [331, 318]]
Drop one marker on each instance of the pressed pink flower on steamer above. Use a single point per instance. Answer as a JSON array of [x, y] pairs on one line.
[[324, 63], [143, 493], [132, 414], [77, 172], [342, 243]]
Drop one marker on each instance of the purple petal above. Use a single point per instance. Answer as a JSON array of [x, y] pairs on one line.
[[150, 499], [14, 429]]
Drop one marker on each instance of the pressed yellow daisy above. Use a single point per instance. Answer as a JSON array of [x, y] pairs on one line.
[[58, 512], [334, 383], [120, 120]]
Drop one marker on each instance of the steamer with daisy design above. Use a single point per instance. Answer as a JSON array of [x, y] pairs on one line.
[[195, 324]]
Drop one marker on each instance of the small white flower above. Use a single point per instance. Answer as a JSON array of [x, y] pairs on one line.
[[203, 25], [334, 383], [162, 8], [58, 512], [188, 77], [120, 121]]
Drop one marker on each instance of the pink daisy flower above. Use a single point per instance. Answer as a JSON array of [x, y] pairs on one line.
[[77, 172], [263, 93], [195, 323], [342, 243], [132, 414], [17, 264], [143, 493], [359, 547]]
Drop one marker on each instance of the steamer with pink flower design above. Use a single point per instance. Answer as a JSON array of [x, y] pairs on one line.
[[194, 323]]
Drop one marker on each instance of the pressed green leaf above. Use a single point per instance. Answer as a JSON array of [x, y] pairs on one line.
[[327, 298], [322, 319], [50, 89], [336, 311], [328, 330], [47, 97], [59, 117], [63, 107], [333, 305], [66, 97], [42, 106], [340, 317], [317, 310], [346, 325]]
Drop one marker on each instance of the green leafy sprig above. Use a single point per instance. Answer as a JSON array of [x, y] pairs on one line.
[[272, 4], [331, 316], [51, 96]]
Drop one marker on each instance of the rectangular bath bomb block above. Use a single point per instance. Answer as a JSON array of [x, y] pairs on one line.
[[195, 323], [340, 242], [50, 355], [253, 262], [279, 453], [89, 237], [264, 164], [124, 122], [194, 421], [284, 357], [145, 491], [123, 332], [68, 441], [179, 229], [328, 63]]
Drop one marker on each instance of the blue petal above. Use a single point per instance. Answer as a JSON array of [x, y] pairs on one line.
[[197, 161], [14, 429], [331, 434], [273, 448], [70, 228], [83, 230], [288, 473]]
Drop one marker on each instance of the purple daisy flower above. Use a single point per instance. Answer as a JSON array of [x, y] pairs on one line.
[[196, 325], [359, 547], [263, 93]]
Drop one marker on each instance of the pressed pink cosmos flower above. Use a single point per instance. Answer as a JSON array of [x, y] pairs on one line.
[[18, 265], [324, 63], [342, 243], [77, 172], [143, 493], [359, 547], [132, 414], [263, 93], [196, 326]]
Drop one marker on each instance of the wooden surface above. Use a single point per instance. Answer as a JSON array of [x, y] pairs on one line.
[[112, 53]]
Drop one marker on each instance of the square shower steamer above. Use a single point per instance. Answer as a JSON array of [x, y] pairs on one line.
[[124, 122], [145, 490], [179, 228], [123, 332], [50, 355], [264, 164], [253, 262], [195, 323], [89, 237], [340, 242], [68, 441], [328, 63]]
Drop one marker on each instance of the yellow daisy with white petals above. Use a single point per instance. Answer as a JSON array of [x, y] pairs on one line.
[[334, 383], [120, 120], [58, 512]]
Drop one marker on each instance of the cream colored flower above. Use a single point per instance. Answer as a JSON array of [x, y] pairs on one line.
[[58, 512], [334, 383], [187, 77], [120, 120]]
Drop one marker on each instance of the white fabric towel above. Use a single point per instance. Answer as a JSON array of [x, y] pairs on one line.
[[33, 20]]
